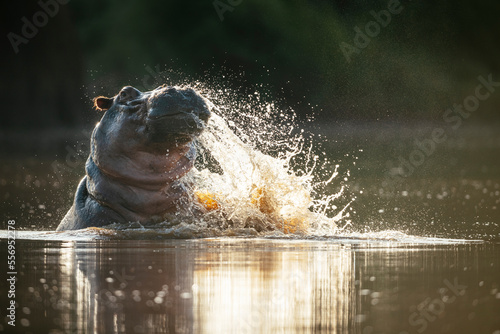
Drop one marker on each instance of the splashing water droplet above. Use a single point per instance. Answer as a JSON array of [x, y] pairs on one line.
[[243, 187]]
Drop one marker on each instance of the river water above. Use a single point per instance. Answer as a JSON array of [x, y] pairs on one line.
[[244, 285], [420, 255]]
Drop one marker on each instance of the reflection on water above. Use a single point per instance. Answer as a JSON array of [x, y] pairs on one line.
[[254, 286], [274, 290]]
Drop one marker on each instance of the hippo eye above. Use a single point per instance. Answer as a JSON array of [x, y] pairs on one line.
[[123, 94]]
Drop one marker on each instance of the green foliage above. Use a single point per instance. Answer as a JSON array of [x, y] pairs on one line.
[[426, 58]]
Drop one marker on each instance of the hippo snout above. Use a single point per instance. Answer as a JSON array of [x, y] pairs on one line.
[[171, 101], [173, 111]]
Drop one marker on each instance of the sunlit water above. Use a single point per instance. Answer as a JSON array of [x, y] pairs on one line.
[[301, 235], [253, 285]]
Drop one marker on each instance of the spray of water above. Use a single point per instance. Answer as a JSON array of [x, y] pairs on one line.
[[256, 172]]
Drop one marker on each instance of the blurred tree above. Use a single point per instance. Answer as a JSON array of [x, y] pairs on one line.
[[424, 60]]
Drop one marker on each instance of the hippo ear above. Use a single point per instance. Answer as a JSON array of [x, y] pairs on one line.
[[103, 103]]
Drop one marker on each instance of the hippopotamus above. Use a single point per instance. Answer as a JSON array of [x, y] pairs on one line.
[[140, 149]]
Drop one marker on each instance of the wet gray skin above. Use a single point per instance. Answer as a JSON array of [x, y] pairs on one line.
[[139, 149]]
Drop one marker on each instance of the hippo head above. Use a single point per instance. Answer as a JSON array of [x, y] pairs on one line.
[[144, 138], [140, 150], [165, 115]]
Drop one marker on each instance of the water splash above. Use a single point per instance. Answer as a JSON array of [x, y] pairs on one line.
[[245, 188], [257, 173]]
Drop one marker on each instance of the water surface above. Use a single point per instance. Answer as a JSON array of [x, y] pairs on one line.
[[423, 257], [256, 286]]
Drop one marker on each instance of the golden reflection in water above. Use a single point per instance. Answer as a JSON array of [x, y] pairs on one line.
[[75, 303], [216, 290], [282, 291]]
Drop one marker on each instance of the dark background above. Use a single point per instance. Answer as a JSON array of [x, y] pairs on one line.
[[369, 111], [427, 58]]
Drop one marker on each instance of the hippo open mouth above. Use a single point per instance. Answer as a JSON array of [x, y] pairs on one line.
[[139, 149]]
